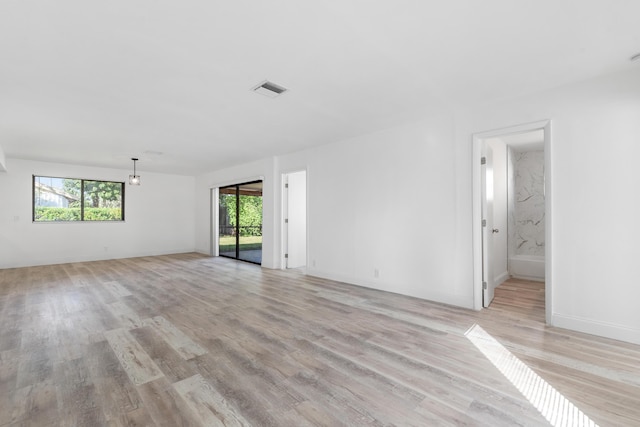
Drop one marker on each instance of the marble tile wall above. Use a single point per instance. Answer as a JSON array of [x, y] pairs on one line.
[[529, 202], [511, 204]]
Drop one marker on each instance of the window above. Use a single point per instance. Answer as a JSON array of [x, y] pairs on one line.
[[70, 199]]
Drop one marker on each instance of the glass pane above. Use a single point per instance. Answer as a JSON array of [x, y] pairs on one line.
[[102, 201], [250, 228], [56, 199], [227, 221]]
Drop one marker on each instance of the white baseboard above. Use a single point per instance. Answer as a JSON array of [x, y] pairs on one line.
[[527, 267], [531, 278], [89, 258], [381, 285], [499, 280], [603, 329]]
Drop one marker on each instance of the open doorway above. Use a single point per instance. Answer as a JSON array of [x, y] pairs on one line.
[[512, 227], [294, 234]]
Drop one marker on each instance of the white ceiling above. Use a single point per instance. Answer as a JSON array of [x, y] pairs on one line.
[[99, 82]]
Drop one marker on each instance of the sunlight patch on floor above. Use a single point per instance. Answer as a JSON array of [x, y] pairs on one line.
[[556, 408]]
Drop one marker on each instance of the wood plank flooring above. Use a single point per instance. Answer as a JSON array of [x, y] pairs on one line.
[[188, 340]]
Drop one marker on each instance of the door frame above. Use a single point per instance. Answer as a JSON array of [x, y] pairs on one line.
[[284, 199], [214, 211], [216, 229], [477, 141], [488, 254]]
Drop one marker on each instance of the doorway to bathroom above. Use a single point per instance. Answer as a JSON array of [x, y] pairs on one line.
[[511, 221]]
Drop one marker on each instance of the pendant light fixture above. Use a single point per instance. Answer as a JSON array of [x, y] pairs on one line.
[[134, 179]]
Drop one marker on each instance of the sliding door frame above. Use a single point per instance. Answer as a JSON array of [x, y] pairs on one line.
[[237, 226]]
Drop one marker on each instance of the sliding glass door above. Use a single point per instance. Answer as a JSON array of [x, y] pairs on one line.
[[240, 221], [228, 202]]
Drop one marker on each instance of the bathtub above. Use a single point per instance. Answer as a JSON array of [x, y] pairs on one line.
[[530, 267]]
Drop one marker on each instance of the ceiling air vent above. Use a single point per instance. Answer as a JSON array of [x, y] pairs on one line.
[[269, 89]]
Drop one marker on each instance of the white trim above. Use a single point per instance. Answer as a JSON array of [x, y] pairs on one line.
[[476, 156], [548, 223], [531, 278], [441, 298], [499, 280], [477, 139], [215, 222], [95, 257], [603, 329], [3, 161], [214, 248], [237, 181], [283, 213]]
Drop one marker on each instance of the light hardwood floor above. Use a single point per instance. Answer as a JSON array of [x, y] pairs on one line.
[[191, 340]]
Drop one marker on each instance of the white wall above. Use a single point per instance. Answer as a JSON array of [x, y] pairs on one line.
[[159, 218], [382, 201], [400, 201]]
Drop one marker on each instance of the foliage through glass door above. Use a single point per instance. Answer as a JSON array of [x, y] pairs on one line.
[[240, 221]]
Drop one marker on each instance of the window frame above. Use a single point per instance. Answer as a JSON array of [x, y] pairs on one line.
[[82, 200]]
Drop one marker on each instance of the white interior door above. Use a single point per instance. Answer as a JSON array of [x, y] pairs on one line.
[[296, 219], [487, 229]]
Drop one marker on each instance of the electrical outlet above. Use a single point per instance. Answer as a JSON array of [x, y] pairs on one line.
[[376, 273]]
